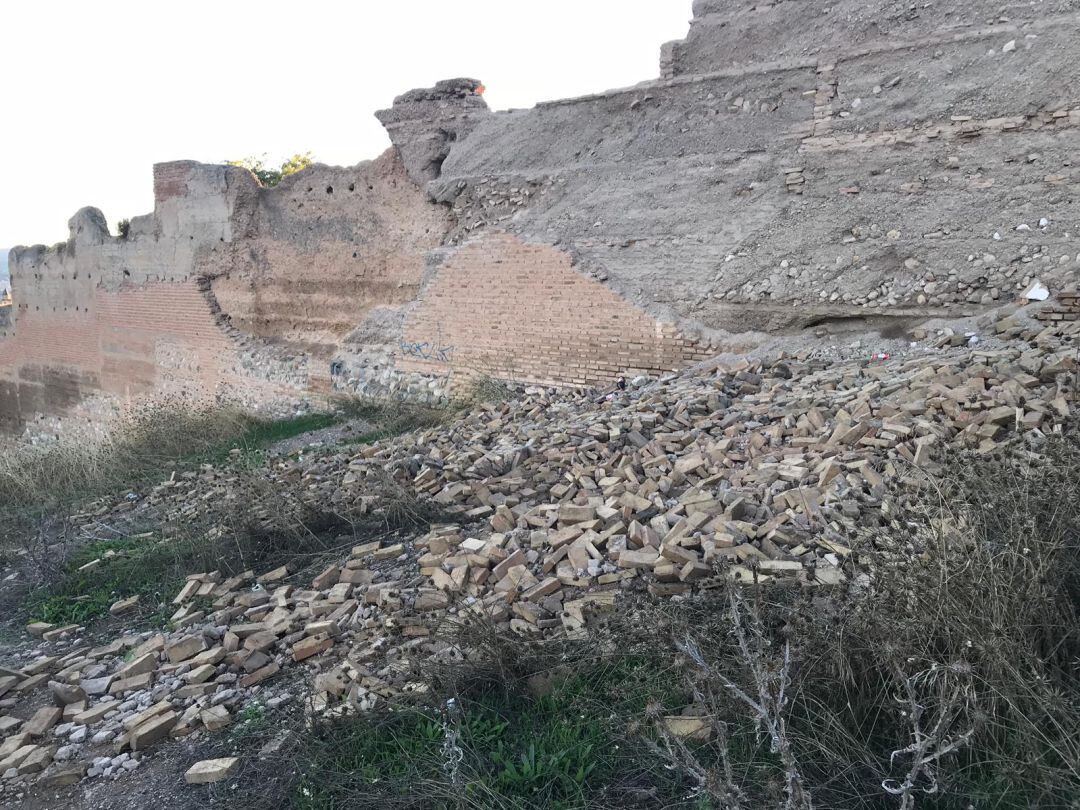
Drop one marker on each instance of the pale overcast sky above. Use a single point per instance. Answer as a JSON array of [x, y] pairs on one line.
[[92, 94]]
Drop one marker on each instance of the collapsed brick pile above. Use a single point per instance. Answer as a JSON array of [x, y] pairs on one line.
[[556, 504]]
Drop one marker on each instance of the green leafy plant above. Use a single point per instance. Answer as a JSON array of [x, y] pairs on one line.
[[517, 749], [269, 176], [251, 720], [126, 568]]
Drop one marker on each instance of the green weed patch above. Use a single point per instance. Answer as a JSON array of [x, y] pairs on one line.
[[145, 567], [499, 745]]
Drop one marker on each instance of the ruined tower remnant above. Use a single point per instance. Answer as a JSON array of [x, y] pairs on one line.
[[424, 124]]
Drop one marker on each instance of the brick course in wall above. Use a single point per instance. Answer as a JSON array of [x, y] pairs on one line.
[[154, 338], [170, 180], [503, 307]]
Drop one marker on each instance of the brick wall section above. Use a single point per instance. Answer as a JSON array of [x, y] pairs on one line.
[[119, 338], [135, 322], [511, 309], [154, 338], [322, 261], [52, 340], [170, 180]]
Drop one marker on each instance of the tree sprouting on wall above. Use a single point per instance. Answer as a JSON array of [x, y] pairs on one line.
[[270, 176]]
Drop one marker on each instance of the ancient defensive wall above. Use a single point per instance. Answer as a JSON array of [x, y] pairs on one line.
[[798, 162]]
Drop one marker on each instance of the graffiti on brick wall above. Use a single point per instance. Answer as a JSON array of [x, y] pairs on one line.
[[435, 351]]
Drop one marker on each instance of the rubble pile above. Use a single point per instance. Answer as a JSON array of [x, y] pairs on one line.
[[554, 505]]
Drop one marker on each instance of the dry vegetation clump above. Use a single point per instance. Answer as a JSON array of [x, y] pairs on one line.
[[484, 388], [947, 678], [44, 489], [57, 507], [135, 448], [258, 522], [944, 674]]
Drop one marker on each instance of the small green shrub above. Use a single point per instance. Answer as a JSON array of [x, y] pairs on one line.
[[269, 176], [498, 744], [251, 720], [141, 567]]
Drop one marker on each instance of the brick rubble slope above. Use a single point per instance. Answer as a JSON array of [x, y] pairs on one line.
[[559, 503]]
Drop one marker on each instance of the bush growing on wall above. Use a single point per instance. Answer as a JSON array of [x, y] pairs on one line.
[[270, 176]]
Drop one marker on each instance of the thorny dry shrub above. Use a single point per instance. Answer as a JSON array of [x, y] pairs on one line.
[[275, 520], [947, 678], [482, 388]]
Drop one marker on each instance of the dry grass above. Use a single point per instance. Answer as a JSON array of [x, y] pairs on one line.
[[948, 679], [484, 388], [137, 447], [259, 518]]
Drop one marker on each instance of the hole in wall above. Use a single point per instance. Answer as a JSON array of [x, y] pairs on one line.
[[352, 186], [329, 189]]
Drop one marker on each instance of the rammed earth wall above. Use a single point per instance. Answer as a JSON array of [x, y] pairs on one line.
[[798, 161]]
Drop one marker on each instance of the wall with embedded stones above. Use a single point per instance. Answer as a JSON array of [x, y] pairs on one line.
[[798, 161], [805, 160]]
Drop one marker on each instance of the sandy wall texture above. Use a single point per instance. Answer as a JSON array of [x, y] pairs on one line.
[[797, 162]]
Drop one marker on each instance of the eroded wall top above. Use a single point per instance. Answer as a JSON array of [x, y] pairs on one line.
[[806, 160], [798, 161], [226, 288], [728, 34]]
